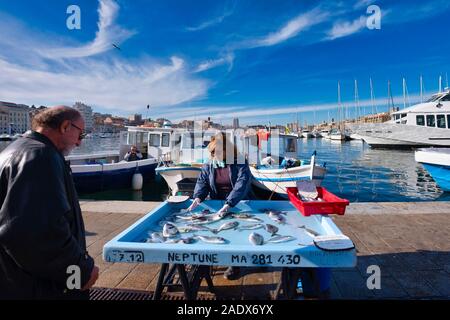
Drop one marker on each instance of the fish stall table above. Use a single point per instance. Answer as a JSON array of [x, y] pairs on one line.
[[192, 247]]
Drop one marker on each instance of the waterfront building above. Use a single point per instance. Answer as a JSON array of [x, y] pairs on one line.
[[86, 112], [17, 118], [235, 123]]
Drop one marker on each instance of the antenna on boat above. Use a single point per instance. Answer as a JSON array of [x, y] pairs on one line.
[[440, 83]]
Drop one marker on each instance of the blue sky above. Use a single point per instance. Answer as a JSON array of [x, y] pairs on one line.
[[260, 61]]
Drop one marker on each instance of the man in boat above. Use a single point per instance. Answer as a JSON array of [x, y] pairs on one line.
[[133, 154], [42, 237], [223, 181]]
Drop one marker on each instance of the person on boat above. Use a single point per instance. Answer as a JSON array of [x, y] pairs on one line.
[[42, 237], [223, 181], [268, 161], [133, 155]]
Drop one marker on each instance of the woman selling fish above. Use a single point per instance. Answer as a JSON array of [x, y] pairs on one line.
[[223, 179]]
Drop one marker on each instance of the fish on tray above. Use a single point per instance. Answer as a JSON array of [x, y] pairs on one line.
[[170, 230], [270, 228], [226, 226], [310, 232], [256, 239], [252, 226], [280, 238], [193, 228], [279, 218], [213, 240]]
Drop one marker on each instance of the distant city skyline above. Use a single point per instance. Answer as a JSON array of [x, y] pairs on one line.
[[257, 61]]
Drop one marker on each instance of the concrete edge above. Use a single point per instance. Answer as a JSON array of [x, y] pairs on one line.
[[374, 208]]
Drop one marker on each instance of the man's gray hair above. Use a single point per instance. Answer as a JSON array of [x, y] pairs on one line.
[[54, 117]]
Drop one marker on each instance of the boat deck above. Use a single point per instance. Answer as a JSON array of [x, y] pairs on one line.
[[408, 241]]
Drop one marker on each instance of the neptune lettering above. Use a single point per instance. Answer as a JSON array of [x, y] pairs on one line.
[[192, 257]]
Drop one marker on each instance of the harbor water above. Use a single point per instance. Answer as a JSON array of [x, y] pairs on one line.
[[354, 171]]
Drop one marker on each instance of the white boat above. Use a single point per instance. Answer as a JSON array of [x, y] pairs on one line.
[[423, 124], [337, 135], [307, 134], [437, 162], [108, 170], [317, 134], [277, 180], [185, 160], [5, 137], [325, 134]]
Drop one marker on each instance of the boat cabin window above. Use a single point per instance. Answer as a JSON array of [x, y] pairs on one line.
[[420, 120], [396, 116], [153, 140], [290, 145], [165, 140], [440, 121], [446, 98], [448, 121], [403, 115], [433, 98], [431, 122]]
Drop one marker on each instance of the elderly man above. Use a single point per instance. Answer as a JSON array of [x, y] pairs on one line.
[[133, 155], [42, 237]]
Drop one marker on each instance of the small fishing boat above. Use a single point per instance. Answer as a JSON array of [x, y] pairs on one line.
[[107, 170], [278, 179], [437, 162]]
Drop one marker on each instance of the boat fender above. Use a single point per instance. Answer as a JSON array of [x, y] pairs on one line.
[[137, 181]]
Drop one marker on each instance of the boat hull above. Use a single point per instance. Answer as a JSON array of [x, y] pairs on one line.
[[440, 174], [101, 177], [173, 175], [391, 135], [278, 180], [437, 163]]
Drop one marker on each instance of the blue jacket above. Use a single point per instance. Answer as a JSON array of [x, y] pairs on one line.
[[240, 177]]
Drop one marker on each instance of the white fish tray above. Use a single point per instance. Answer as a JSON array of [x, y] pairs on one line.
[[130, 246]]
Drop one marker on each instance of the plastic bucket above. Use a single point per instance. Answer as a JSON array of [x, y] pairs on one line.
[[315, 282]]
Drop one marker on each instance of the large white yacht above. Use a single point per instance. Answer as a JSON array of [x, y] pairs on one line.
[[423, 124]]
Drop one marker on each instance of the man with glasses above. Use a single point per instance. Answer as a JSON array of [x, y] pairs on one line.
[[42, 235]]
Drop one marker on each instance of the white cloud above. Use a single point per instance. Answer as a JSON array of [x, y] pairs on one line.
[[342, 29], [227, 112], [211, 22], [291, 29], [363, 3], [107, 34], [209, 64], [114, 85]]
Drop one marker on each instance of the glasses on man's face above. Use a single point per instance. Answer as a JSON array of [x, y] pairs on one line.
[[82, 134]]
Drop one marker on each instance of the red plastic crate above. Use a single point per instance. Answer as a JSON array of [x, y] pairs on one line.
[[331, 204]]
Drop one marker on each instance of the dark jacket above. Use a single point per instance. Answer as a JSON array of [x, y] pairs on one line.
[[240, 177], [41, 227]]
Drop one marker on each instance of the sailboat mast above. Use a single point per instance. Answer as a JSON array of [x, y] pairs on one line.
[[390, 99], [339, 103], [440, 84], [404, 93], [371, 96], [357, 99]]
